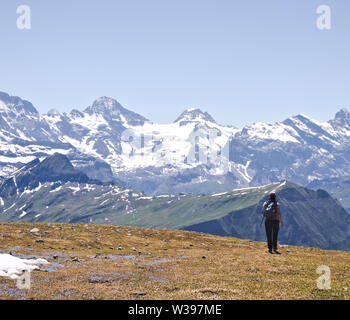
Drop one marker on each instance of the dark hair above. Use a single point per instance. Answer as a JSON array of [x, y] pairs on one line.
[[272, 196]]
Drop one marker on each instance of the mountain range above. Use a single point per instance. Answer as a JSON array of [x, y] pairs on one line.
[[194, 154], [52, 190]]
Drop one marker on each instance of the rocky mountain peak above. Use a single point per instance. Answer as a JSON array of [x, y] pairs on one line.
[[342, 114], [104, 104], [341, 119], [15, 105], [54, 168], [53, 113], [57, 163], [194, 115], [111, 109]]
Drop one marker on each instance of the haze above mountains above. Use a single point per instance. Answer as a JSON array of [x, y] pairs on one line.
[[194, 154]]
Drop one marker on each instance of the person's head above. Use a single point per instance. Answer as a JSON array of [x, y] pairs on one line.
[[272, 196]]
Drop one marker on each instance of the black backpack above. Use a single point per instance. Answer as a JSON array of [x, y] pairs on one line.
[[270, 209]]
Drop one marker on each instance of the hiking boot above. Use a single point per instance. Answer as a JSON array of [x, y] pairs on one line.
[[276, 251], [270, 251]]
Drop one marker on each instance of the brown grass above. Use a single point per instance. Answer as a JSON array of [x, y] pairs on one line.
[[164, 264]]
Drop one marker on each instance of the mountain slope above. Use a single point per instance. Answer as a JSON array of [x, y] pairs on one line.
[[312, 218], [53, 190], [55, 168], [337, 187]]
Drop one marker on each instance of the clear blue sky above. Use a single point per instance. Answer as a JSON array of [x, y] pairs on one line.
[[242, 61]]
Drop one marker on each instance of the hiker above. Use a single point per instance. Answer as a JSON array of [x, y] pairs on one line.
[[271, 211]]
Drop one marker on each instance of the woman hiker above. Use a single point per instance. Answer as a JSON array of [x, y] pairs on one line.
[[271, 211]]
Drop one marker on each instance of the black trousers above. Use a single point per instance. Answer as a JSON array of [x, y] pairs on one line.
[[272, 227]]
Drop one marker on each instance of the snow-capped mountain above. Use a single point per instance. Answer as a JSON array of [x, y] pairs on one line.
[[299, 148], [192, 154]]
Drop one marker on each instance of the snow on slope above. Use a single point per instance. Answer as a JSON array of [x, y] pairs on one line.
[[269, 131], [163, 144], [144, 145]]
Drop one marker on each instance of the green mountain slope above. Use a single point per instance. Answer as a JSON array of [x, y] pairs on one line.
[[312, 218]]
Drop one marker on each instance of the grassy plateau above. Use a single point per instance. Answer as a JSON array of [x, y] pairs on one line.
[[118, 262]]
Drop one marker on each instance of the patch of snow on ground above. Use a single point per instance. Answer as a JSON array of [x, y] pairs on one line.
[[12, 267]]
